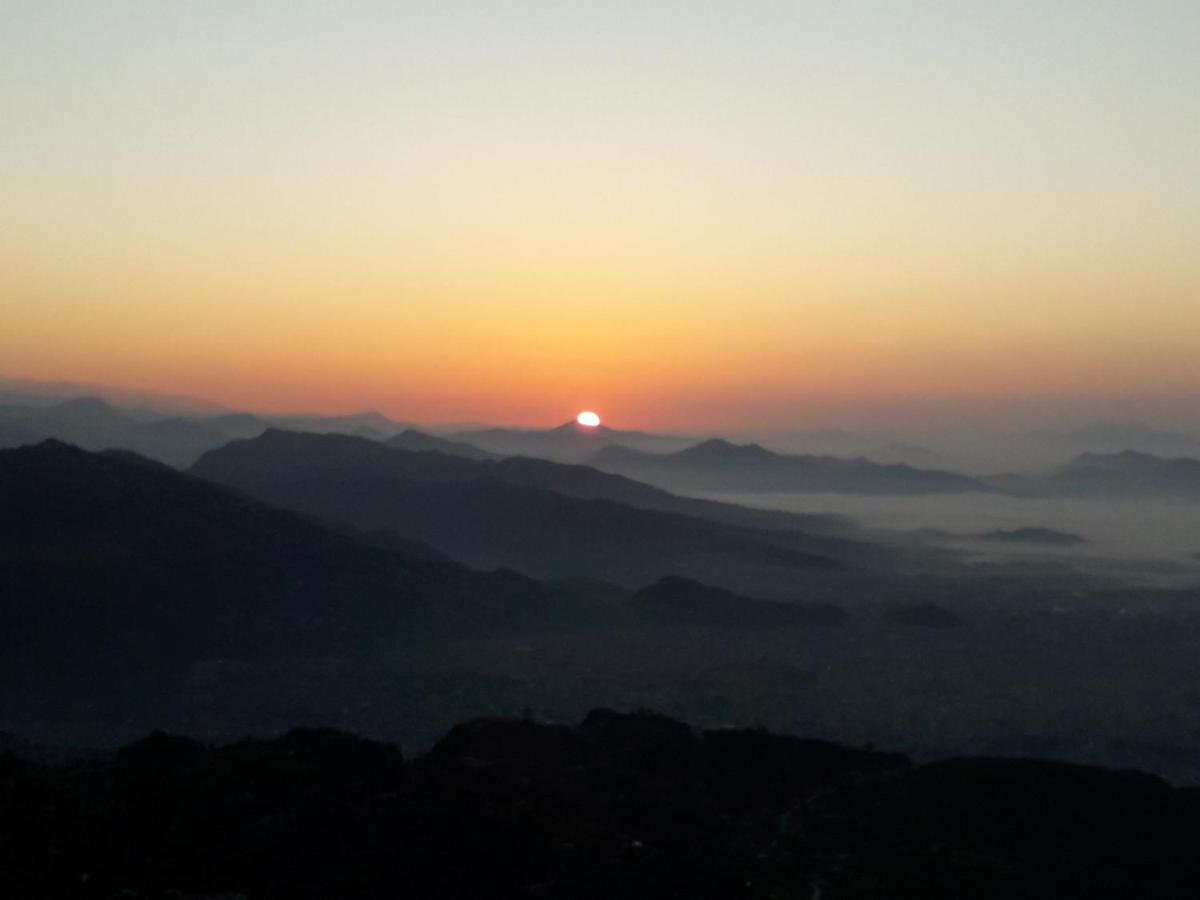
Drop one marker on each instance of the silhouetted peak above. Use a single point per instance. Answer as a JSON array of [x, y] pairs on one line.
[[1107, 428], [1034, 535], [55, 464], [275, 433], [277, 450], [573, 427], [420, 441], [511, 743], [334, 747], [55, 446], [637, 730], [160, 750], [372, 418], [275, 438], [237, 418], [1124, 458], [93, 405], [89, 412], [719, 450], [51, 453]]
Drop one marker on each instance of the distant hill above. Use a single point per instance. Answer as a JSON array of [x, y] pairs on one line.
[[412, 439], [1114, 437], [87, 421], [1128, 474], [118, 573], [569, 442], [1042, 537], [373, 423], [587, 483], [95, 424], [574, 522], [27, 392], [902, 453], [718, 465], [178, 440]]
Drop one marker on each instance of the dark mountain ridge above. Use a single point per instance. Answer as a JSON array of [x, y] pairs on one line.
[[118, 573], [622, 805]]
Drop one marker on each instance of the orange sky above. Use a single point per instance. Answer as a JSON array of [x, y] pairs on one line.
[[765, 216]]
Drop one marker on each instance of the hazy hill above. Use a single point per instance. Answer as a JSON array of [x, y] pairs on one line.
[[178, 440], [718, 465], [371, 422], [1042, 537], [87, 421], [95, 424], [569, 442], [33, 392], [1128, 474], [587, 483], [412, 439], [117, 573], [1114, 437], [489, 514]]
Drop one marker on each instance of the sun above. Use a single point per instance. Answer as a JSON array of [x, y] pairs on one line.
[[588, 419]]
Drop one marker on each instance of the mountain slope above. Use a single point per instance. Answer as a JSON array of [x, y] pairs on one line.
[[718, 465], [419, 441], [117, 573], [472, 511]]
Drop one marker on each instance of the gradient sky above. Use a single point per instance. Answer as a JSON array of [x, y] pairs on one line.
[[682, 214]]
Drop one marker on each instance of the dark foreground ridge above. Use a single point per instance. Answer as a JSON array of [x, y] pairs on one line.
[[621, 806]]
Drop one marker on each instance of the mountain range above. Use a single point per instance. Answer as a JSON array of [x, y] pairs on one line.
[[118, 573], [718, 465], [1124, 475], [412, 439], [543, 518], [123, 581], [1115, 437], [178, 440], [670, 462], [569, 442]]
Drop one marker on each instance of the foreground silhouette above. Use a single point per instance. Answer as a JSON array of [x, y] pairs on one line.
[[621, 806]]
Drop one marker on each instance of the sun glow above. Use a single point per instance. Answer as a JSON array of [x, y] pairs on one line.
[[588, 419]]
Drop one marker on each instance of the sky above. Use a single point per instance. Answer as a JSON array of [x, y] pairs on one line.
[[681, 214]]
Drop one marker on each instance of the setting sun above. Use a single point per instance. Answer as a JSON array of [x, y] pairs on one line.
[[588, 419]]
